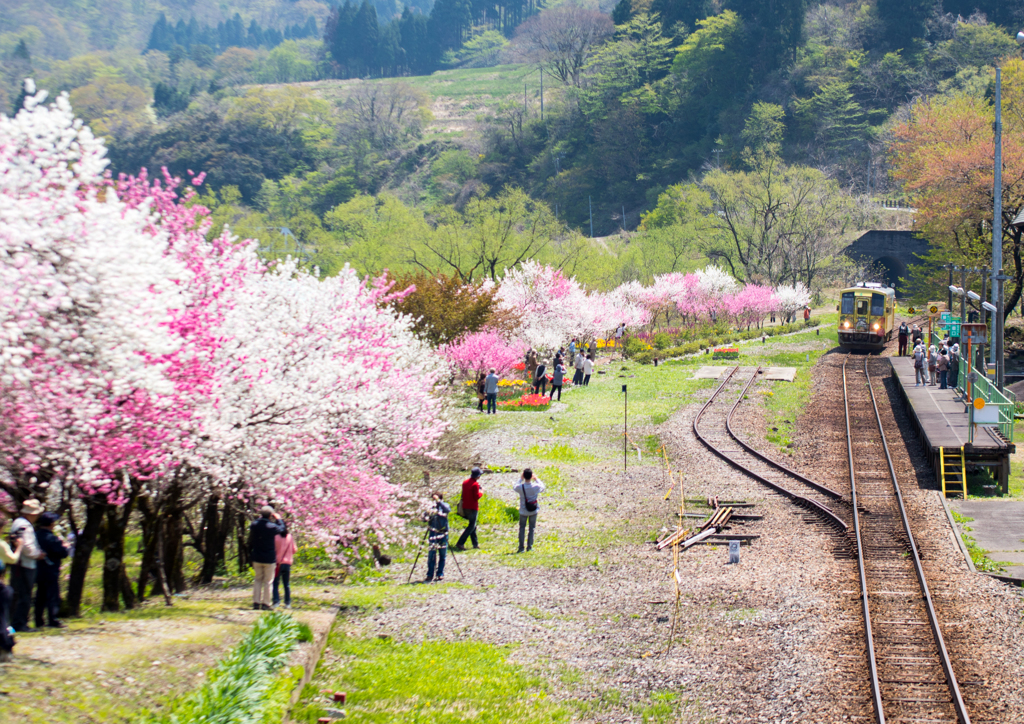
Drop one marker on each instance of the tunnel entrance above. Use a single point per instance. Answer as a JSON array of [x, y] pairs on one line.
[[890, 269]]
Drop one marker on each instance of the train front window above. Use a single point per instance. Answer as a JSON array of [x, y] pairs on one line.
[[877, 305], [847, 303], [862, 307]]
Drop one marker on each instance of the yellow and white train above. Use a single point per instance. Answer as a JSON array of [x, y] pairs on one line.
[[867, 314]]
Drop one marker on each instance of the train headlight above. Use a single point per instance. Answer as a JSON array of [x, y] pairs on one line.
[[846, 325], [876, 327]]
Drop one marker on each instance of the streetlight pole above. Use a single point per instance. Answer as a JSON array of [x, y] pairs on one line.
[[998, 342], [963, 297], [997, 211]]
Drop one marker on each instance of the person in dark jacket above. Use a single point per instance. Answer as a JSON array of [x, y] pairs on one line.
[[481, 386], [557, 378], [540, 379], [903, 334], [263, 554], [438, 539], [48, 578]]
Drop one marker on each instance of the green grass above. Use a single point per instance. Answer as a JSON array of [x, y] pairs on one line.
[[559, 452], [244, 686], [978, 554], [424, 683]]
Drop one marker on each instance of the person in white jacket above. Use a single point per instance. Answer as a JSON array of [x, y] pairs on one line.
[[529, 489], [588, 369]]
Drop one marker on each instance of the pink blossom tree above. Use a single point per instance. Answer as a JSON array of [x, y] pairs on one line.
[[480, 351]]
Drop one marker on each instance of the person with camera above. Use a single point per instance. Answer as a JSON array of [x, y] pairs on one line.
[[263, 533], [9, 556], [437, 538], [529, 489], [48, 579], [23, 573]]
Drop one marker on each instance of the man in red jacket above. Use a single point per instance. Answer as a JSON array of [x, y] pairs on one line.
[[470, 507]]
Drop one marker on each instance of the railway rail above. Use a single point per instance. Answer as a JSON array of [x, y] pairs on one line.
[[912, 677], [909, 668], [823, 504]]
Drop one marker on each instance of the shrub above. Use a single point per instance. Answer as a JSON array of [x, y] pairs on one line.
[[661, 340]]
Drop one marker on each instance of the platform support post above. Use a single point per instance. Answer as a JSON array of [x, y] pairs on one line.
[[1004, 475]]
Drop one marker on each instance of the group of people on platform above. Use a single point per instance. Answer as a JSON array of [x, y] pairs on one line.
[[32, 552], [933, 364], [528, 489]]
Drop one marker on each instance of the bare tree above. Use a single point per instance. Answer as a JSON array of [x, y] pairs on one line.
[[384, 114], [563, 39]]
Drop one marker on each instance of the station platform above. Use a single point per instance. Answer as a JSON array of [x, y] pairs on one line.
[[941, 420]]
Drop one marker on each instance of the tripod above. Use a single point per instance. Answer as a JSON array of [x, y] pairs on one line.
[[419, 552]]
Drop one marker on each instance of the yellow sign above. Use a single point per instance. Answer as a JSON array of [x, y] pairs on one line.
[[933, 309], [911, 310], [979, 403]]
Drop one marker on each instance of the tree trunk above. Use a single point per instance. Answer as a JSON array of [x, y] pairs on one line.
[[242, 534], [173, 553], [112, 532], [150, 525], [84, 545], [215, 535]]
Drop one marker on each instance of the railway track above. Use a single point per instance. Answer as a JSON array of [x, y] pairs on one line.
[[912, 678], [824, 506], [908, 667]]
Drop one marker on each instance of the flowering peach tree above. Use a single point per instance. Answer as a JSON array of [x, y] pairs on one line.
[[148, 362]]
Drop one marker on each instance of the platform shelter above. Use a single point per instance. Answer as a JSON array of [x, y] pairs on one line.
[[942, 419]]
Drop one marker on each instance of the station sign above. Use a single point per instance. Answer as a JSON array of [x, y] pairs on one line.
[[974, 333]]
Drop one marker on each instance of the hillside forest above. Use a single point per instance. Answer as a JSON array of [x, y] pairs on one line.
[[465, 137]]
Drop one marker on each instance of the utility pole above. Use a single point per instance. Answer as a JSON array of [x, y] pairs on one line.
[[963, 297], [1000, 312], [525, 103], [541, 94], [623, 217], [590, 200], [949, 303], [983, 368], [997, 213]]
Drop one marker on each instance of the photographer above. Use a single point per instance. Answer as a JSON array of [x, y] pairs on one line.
[[8, 557], [438, 538], [23, 574], [48, 580]]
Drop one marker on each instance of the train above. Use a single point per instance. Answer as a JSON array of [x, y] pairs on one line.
[[867, 314]]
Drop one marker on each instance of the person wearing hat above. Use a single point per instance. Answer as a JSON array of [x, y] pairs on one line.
[[23, 574], [263, 553], [470, 506], [48, 579], [8, 557]]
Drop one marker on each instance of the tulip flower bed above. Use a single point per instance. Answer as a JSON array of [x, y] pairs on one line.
[[531, 403], [726, 353]]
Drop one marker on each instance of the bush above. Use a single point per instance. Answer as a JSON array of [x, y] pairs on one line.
[[661, 340], [633, 346]]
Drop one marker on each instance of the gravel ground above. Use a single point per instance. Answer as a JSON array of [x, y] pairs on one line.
[[776, 638]]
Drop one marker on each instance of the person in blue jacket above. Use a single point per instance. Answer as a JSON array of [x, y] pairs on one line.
[[263, 554]]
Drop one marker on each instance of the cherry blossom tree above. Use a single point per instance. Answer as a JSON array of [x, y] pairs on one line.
[[480, 351], [791, 298], [145, 364]]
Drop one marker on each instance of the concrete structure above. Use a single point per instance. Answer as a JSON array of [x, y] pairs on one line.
[[891, 251]]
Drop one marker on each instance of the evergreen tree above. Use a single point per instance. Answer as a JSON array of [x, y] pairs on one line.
[[622, 12], [365, 33]]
